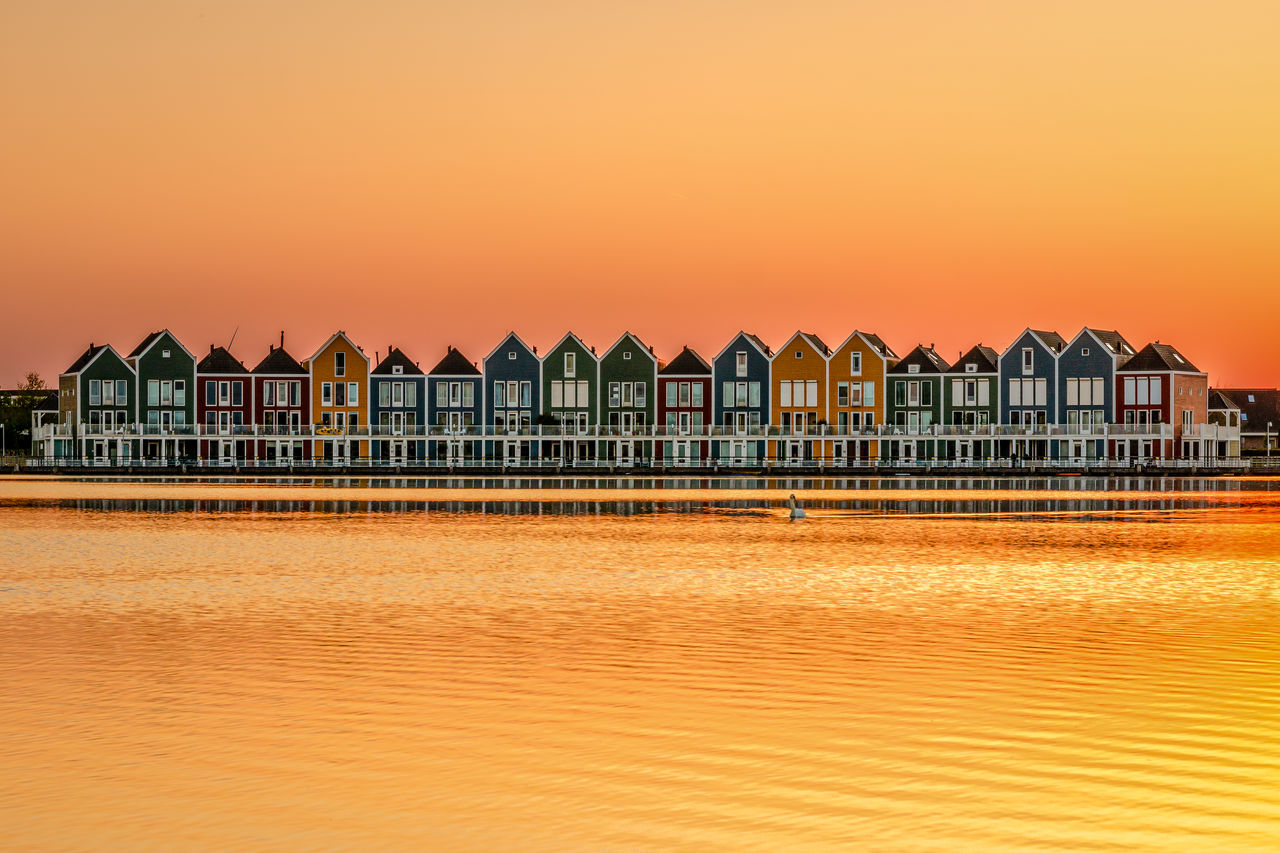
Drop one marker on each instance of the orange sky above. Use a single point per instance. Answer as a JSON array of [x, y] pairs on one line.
[[438, 173]]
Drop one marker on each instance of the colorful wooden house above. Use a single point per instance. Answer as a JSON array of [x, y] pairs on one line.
[[1162, 402], [916, 389], [1226, 416], [224, 408], [398, 409], [1086, 392], [166, 381], [798, 388], [628, 380], [570, 397], [971, 404], [513, 395], [685, 409], [282, 407], [1028, 393], [740, 382], [455, 407], [856, 400], [98, 407], [339, 373]]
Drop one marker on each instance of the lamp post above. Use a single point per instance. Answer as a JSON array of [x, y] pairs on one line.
[[1268, 439], [3, 440]]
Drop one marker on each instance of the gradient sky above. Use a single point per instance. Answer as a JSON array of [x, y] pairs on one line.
[[439, 173]]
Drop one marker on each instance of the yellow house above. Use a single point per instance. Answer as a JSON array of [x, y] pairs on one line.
[[798, 391], [339, 399], [856, 373]]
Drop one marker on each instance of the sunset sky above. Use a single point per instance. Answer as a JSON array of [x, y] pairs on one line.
[[439, 173]]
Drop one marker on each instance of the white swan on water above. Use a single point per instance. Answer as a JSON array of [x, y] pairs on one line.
[[797, 511]]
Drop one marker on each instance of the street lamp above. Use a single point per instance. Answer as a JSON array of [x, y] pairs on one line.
[[1268, 439]]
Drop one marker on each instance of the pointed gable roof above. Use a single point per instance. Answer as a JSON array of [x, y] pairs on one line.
[[1157, 357], [219, 361], [639, 343], [985, 359], [751, 339], [278, 362], [86, 358], [571, 336], [150, 340], [687, 363], [339, 334], [1113, 341], [1219, 400], [1053, 341], [146, 342], [48, 403], [1258, 407], [925, 359], [873, 341], [811, 339], [395, 358], [454, 363], [502, 343]]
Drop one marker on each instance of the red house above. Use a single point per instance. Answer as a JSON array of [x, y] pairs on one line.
[[282, 407], [1162, 401], [224, 407], [684, 409]]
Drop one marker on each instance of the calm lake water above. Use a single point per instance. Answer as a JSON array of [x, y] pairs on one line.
[[919, 665]]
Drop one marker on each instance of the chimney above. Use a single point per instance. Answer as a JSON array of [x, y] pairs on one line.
[[282, 339], [535, 350], [210, 349], [271, 347], [593, 350], [651, 349]]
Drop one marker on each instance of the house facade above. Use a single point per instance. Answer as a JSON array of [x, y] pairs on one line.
[[628, 380], [798, 388], [166, 381], [455, 408], [224, 408], [1259, 418], [282, 407], [339, 374], [570, 398], [98, 408], [971, 403], [1086, 391], [914, 407], [513, 395], [856, 400], [397, 409], [1162, 405], [1028, 393], [741, 398], [685, 411]]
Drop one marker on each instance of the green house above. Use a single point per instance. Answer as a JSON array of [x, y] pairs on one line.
[[971, 404], [570, 398], [914, 405], [628, 399], [166, 382], [98, 407]]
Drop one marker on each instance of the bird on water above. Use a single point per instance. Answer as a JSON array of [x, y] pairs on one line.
[[797, 511]]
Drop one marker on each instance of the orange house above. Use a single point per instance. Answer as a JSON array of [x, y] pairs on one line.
[[339, 399], [855, 374], [798, 391]]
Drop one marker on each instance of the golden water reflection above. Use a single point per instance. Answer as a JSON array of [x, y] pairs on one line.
[[1034, 669]]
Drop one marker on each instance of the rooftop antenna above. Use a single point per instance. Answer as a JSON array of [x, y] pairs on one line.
[[233, 338]]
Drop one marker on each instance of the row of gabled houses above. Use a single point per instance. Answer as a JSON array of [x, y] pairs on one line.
[[1092, 398]]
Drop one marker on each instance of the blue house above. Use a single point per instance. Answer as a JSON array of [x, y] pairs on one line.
[[1086, 390], [455, 408], [398, 409], [740, 388], [513, 382], [1028, 392]]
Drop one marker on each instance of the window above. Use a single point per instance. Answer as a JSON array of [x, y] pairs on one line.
[[397, 393], [411, 394], [500, 395], [237, 394], [108, 393], [339, 364], [868, 393], [339, 393], [753, 393], [1015, 392], [842, 394], [1073, 392], [511, 355], [971, 392], [224, 393], [899, 393], [811, 392], [926, 393], [1130, 391], [95, 392], [741, 393], [971, 368], [384, 393], [211, 393], [211, 420], [726, 397], [615, 394], [326, 393], [526, 394], [122, 391], [697, 393], [855, 363], [166, 392], [468, 394], [671, 394], [397, 370], [784, 394], [684, 393], [1042, 392], [571, 395], [153, 392], [570, 364], [913, 393], [164, 353], [1028, 360], [741, 359], [1084, 351], [913, 368], [626, 356], [642, 394], [799, 354], [295, 393], [855, 394], [557, 395], [1155, 390], [583, 396]]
